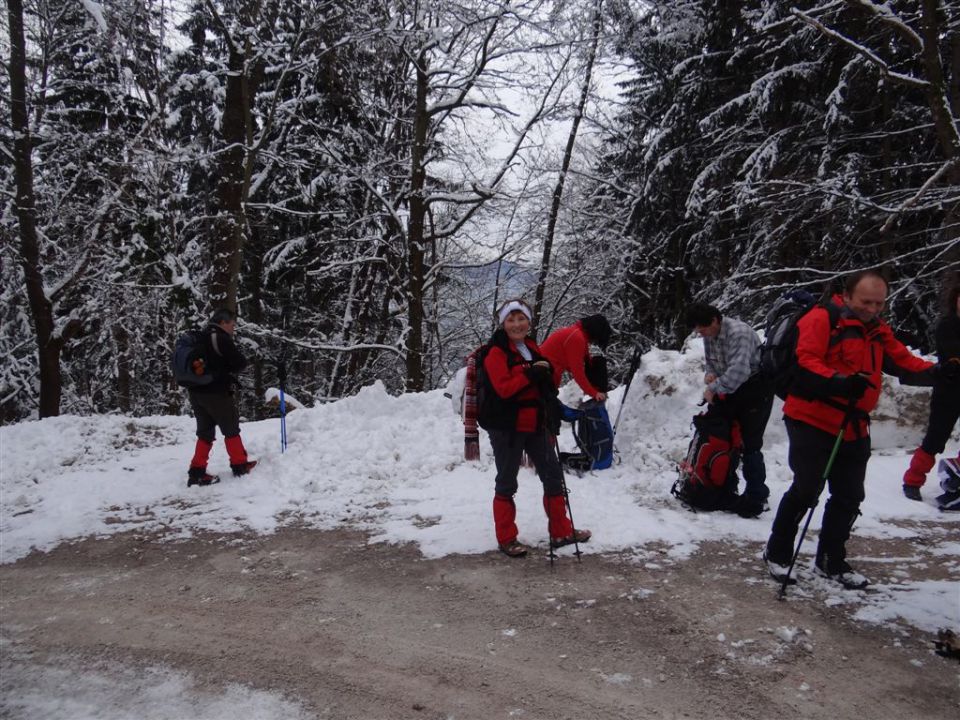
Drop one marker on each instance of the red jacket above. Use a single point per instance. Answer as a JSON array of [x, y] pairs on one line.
[[849, 348], [567, 349], [507, 372]]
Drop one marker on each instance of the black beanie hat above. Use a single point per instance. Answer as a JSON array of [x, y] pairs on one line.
[[598, 329]]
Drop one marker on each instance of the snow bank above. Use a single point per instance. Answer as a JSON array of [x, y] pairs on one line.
[[393, 466]]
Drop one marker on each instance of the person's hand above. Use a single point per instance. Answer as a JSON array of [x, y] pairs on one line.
[[539, 371], [851, 386], [601, 397], [709, 378], [950, 370], [709, 395]]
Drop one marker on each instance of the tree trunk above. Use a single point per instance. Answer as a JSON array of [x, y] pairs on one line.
[[415, 234], [947, 135], [564, 168], [941, 104], [231, 222], [121, 341], [41, 308]]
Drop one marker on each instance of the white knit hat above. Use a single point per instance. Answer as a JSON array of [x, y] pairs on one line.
[[514, 305]]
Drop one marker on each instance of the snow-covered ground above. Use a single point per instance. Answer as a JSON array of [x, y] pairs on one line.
[[76, 689], [394, 466]]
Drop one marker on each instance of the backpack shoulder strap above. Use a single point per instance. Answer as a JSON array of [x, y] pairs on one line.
[[214, 343], [833, 312], [834, 316]]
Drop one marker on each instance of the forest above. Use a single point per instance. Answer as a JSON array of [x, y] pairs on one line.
[[365, 182]]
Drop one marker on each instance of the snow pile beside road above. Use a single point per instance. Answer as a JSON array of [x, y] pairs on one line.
[[393, 466]]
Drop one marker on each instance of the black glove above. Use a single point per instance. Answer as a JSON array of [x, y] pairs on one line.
[[539, 372], [949, 371], [850, 386]]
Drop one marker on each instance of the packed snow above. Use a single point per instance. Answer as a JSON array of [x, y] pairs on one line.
[[72, 688], [394, 467]]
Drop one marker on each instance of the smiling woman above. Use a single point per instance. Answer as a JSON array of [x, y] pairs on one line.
[[515, 416]]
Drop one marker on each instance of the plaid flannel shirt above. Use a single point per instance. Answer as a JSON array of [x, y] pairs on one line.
[[733, 355]]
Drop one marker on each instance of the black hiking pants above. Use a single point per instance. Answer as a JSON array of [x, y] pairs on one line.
[[214, 410], [809, 453], [750, 406], [508, 448], [944, 412]]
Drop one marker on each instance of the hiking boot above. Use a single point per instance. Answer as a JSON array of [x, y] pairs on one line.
[[840, 571], [729, 501], [243, 468], [513, 549], [200, 476], [949, 501], [578, 536], [911, 492], [748, 507], [778, 567]]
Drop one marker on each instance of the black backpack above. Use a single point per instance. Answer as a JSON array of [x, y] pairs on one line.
[[189, 359], [778, 354]]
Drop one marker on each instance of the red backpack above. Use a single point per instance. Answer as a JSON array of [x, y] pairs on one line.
[[704, 481]]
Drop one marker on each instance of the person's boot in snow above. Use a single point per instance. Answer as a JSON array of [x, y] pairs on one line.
[[197, 474], [239, 463], [505, 526], [513, 549], [200, 476], [949, 501], [559, 525], [840, 571], [243, 468], [748, 507], [916, 475], [577, 536], [912, 492], [949, 472], [778, 565]]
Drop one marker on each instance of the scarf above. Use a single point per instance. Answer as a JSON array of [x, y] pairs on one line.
[[471, 436]]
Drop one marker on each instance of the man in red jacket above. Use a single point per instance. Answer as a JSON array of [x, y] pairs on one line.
[[838, 385]]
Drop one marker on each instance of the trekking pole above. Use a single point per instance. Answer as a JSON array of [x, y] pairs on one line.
[[634, 364], [823, 481], [282, 381], [566, 497]]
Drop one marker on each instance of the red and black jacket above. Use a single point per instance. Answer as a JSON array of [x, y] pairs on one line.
[[569, 349], [516, 403], [846, 348]]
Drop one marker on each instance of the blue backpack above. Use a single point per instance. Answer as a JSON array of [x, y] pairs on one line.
[[594, 435], [189, 362]]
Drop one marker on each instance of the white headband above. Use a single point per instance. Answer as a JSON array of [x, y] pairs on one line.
[[510, 307]]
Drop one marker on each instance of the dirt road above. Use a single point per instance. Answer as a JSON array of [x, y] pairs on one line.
[[352, 630]]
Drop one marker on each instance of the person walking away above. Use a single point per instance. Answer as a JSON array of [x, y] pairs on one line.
[[945, 399], [513, 413], [736, 389], [568, 350], [837, 386], [214, 404]]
